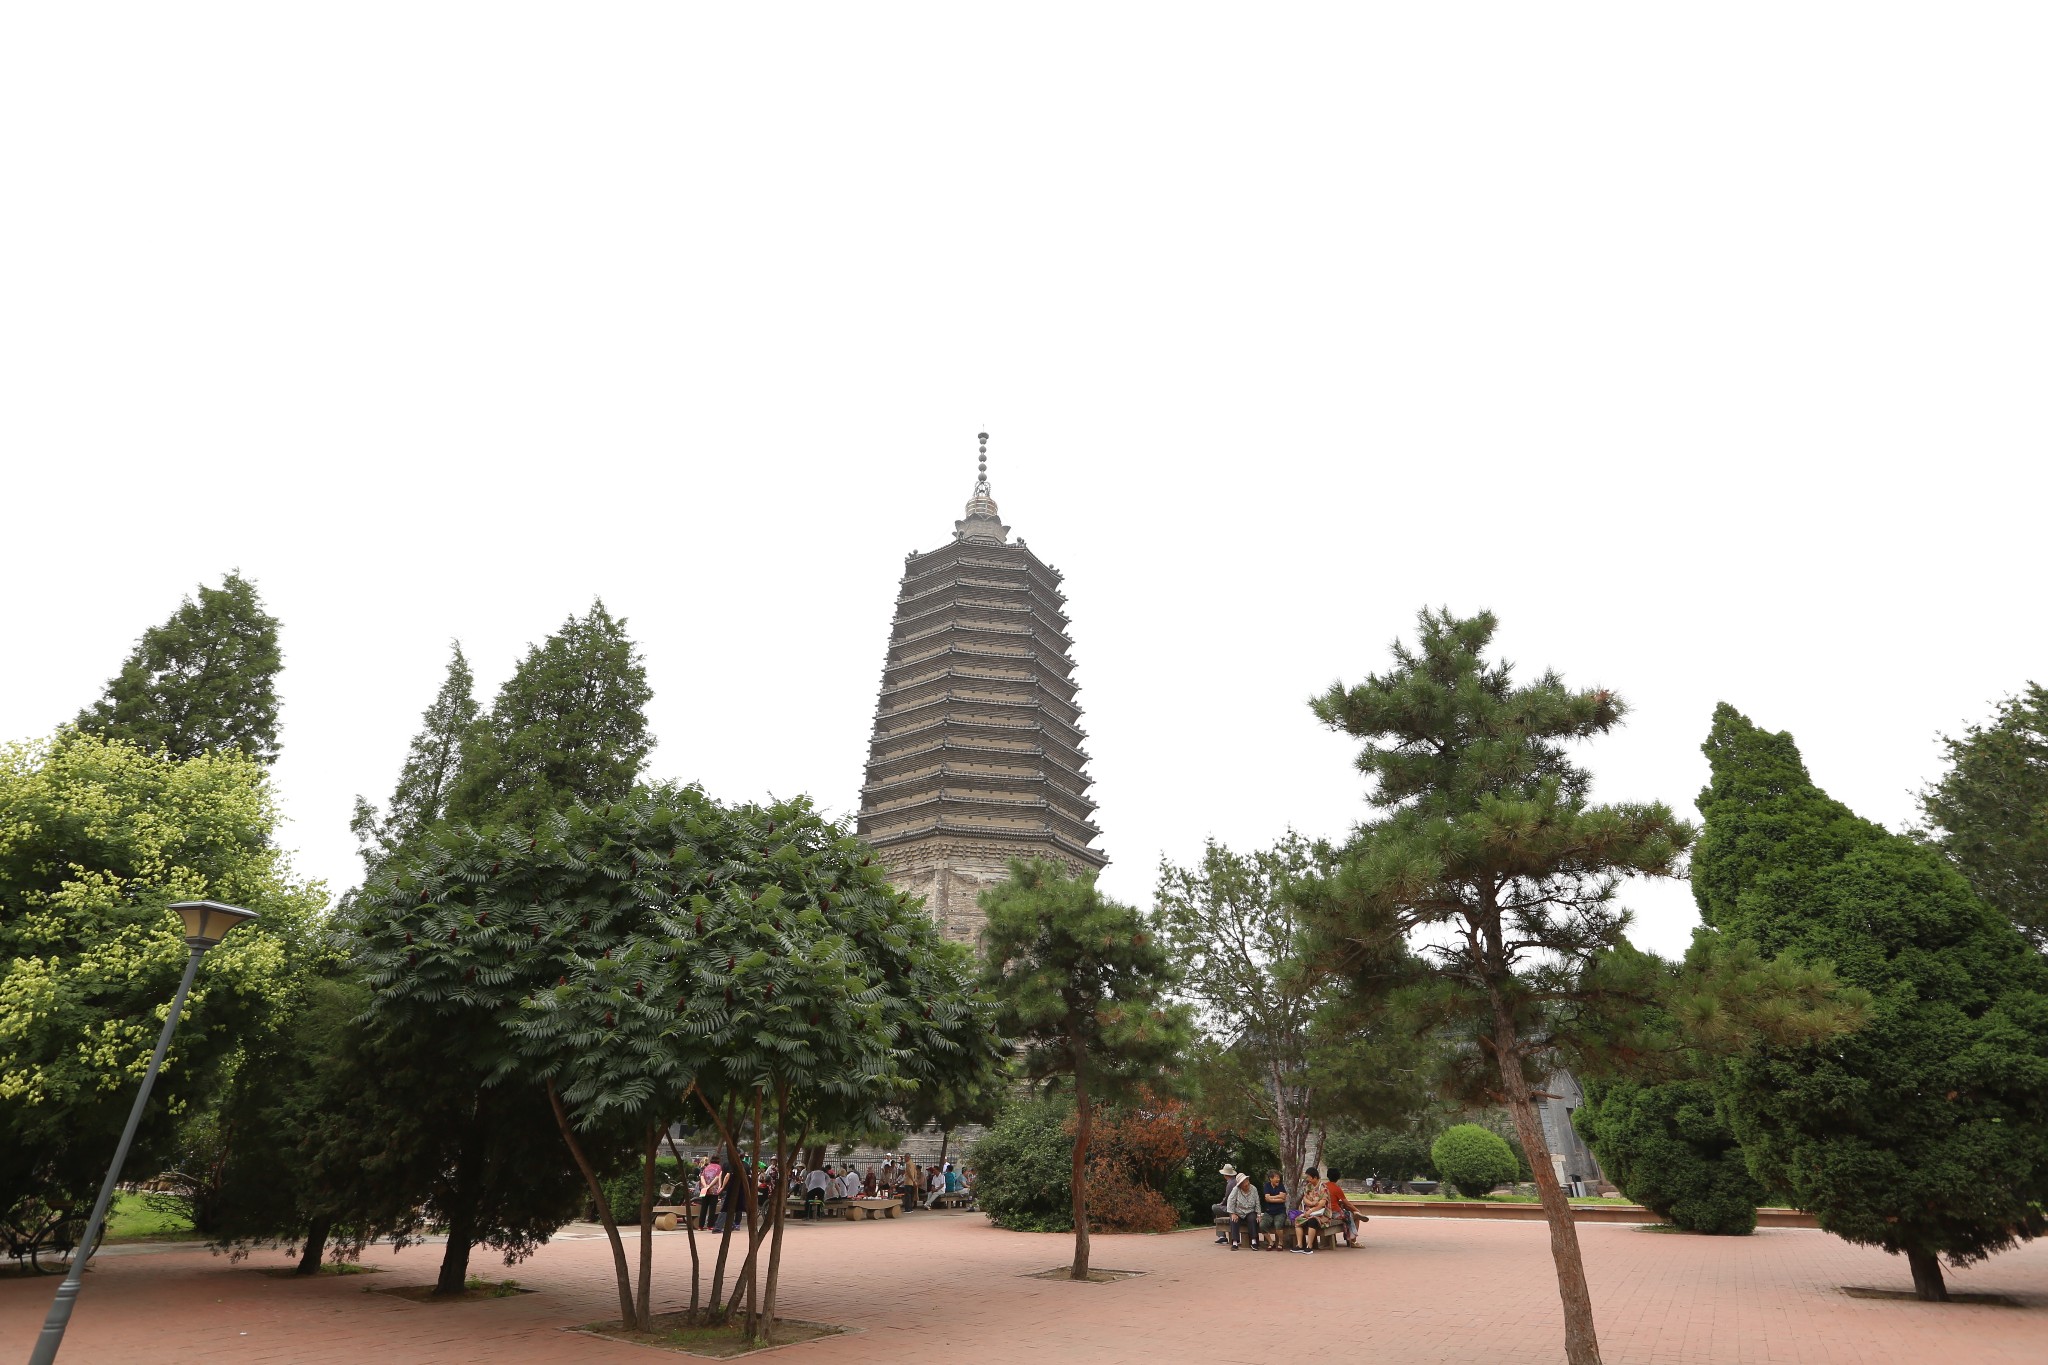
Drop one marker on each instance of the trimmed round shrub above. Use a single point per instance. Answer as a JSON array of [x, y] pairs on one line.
[[1667, 1149], [1474, 1159]]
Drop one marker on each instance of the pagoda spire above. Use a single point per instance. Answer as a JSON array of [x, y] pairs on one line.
[[982, 524]]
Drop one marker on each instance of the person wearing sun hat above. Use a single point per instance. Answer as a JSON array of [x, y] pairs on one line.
[[1229, 1174]]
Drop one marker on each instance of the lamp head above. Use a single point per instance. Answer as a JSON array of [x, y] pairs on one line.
[[208, 922]]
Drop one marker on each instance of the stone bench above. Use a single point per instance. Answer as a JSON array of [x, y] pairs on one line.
[[857, 1209], [1324, 1242], [959, 1199]]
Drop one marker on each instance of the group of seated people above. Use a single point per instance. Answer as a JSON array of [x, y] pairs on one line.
[[902, 1180], [1260, 1214]]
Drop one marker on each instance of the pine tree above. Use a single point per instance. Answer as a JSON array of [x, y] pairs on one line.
[[1990, 810], [1926, 1131], [203, 681], [1490, 848], [1080, 982], [431, 767], [570, 724]]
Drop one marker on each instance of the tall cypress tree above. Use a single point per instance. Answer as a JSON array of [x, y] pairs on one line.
[[431, 767], [569, 724], [1926, 1131], [1989, 811], [202, 682]]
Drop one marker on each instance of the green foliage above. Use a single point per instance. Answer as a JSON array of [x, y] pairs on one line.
[[1399, 1154], [1926, 1131], [1669, 1150], [1023, 1176], [100, 837], [1080, 982], [622, 1191], [569, 725], [1989, 811], [1473, 1158], [204, 681], [1079, 979], [428, 778]]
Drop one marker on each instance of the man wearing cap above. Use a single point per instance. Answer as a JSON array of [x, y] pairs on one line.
[[1229, 1174]]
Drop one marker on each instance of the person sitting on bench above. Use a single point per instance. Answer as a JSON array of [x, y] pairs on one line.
[[815, 1185]]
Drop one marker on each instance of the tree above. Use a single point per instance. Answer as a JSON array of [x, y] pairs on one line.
[[1989, 811], [660, 953], [1228, 924], [100, 838], [569, 725], [1926, 1131], [1490, 849], [428, 778], [202, 682], [1668, 1149], [1079, 981]]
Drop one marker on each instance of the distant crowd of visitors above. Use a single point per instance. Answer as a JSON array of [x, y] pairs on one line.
[[1261, 1216], [717, 1191]]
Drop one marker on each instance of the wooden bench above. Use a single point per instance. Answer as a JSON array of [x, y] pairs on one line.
[[857, 1209], [1324, 1242]]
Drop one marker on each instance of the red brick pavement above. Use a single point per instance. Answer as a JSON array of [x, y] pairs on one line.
[[949, 1290]]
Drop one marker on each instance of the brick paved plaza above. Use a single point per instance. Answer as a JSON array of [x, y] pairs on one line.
[[949, 1289]]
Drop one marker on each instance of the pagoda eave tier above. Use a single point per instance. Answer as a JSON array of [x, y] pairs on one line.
[[1024, 839], [903, 760]]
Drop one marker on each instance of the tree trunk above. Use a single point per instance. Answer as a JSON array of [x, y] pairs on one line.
[[647, 1179], [945, 1138], [690, 1205], [628, 1317], [1927, 1281], [316, 1246], [778, 1195], [1290, 1125], [1581, 1346], [462, 1215], [1084, 1118]]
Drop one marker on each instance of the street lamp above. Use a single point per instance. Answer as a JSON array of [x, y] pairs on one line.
[[206, 923]]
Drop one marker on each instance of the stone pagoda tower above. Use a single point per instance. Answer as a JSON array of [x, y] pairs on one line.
[[977, 755]]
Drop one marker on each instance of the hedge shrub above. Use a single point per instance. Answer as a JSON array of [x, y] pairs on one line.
[[1474, 1159], [1668, 1150]]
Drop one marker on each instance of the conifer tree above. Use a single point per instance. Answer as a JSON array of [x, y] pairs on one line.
[[1491, 849], [1926, 1131], [1080, 982], [431, 767], [202, 682], [570, 724], [1989, 811]]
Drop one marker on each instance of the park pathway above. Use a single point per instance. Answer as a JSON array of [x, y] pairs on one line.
[[946, 1289]]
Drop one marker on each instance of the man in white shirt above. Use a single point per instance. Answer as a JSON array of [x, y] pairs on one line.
[[815, 1185]]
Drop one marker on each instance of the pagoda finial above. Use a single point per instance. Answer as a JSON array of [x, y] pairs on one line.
[[981, 477]]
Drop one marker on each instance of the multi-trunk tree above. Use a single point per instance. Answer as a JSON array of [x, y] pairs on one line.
[[1924, 1132], [202, 682], [1081, 983], [661, 956]]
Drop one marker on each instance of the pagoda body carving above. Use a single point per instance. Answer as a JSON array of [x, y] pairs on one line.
[[976, 757]]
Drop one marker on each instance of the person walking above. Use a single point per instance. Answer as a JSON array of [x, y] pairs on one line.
[[710, 1186], [1241, 1206]]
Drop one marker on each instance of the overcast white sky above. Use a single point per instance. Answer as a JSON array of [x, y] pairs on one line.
[[1705, 347]]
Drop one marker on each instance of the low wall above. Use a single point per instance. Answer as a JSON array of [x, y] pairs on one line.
[[1581, 1213]]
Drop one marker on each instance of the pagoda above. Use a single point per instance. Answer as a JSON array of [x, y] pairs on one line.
[[976, 757]]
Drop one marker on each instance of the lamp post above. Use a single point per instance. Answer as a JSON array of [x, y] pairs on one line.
[[206, 923]]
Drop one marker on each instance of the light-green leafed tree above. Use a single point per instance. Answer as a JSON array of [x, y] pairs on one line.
[[100, 837], [1081, 983], [1926, 1131], [202, 682]]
